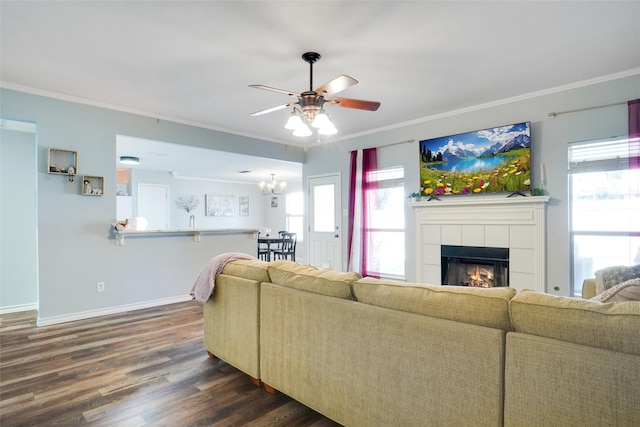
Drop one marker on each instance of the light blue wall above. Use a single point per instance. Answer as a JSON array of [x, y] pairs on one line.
[[18, 222], [550, 136], [76, 248]]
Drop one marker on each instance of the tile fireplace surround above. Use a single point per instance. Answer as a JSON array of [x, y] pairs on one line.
[[517, 223]]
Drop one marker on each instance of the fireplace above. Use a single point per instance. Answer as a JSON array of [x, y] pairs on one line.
[[482, 267]]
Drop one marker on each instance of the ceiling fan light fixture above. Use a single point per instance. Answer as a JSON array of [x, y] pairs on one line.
[[321, 120], [328, 130], [302, 130], [309, 110], [294, 122]]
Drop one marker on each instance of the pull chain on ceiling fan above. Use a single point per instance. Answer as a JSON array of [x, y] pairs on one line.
[[308, 110]]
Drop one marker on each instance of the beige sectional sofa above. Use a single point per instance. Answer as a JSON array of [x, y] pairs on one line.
[[367, 352]]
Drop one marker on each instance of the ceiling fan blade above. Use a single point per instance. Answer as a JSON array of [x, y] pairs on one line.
[[269, 110], [275, 89], [354, 103], [336, 85]]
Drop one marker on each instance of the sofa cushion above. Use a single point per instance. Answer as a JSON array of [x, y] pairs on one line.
[[610, 326], [311, 279], [626, 291], [611, 276], [248, 269], [477, 306]]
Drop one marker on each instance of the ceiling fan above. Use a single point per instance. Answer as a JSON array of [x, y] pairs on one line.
[[309, 107]]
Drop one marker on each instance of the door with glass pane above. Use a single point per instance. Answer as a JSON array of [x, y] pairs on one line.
[[325, 236]]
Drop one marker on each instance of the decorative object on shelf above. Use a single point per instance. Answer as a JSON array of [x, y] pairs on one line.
[[219, 205], [273, 187], [67, 158], [309, 109], [130, 160], [414, 197], [243, 206], [189, 204], [92, 185]]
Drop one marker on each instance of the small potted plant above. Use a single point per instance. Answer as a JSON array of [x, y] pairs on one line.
[[414, 197]]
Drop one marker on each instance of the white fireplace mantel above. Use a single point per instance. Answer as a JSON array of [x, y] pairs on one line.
[[517, 223]]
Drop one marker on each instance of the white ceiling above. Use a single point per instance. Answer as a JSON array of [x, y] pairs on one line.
[[192, 61]]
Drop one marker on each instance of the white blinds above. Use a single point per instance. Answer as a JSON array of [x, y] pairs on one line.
[[602, 154]]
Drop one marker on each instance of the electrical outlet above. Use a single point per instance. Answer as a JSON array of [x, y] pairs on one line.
[[100, 287]]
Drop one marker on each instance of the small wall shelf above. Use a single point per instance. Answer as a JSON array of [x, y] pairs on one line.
[[92, 185], [59, 161]]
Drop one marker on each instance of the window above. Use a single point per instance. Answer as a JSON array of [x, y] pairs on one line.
[[294, 208], [605, 207], [385, 234]]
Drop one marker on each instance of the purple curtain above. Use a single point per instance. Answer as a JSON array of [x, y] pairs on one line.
[[358, 239], [369, 164], [634, 133], [353, 169]]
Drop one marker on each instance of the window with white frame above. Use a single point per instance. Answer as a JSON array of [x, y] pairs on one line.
[[294, 211], [385, 251], [605, 207]]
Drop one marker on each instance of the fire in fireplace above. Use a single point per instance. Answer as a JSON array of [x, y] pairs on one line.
[[475, 266]]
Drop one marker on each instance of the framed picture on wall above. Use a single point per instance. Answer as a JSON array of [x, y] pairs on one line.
[[274, 202], [219, 205], [243, 205]]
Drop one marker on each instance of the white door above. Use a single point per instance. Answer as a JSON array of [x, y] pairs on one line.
[[325, 235], [153, 204]]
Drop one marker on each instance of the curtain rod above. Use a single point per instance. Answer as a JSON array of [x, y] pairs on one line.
[[388, 145], [585, 109]]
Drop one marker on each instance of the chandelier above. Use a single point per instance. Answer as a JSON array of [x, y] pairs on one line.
[[272, 187]]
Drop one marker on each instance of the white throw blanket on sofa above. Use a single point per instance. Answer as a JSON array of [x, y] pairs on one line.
[[204, 284]]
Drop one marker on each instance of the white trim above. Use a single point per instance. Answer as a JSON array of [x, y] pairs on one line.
[[111, 310], [20, 307], [99, 104], [575, 85], [505, 101]]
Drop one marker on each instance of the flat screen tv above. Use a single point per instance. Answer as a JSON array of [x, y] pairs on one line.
[[495, 160]]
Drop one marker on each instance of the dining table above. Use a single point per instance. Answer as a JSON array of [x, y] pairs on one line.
[[268, 241]]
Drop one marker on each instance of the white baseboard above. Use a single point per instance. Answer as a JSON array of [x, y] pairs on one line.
[[46, 321], [17, 308]]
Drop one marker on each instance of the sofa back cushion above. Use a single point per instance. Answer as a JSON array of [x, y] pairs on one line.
[[610, 326], [248, 269], [311, 279], [477, 306]]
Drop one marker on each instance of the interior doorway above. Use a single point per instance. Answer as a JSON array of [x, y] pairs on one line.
[[153, 205], [19, 212]]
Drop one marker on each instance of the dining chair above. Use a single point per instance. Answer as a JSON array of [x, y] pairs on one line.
[[263, 251], [287, 249]]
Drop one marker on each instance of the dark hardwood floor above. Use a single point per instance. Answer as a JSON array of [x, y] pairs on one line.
[[141, 368]]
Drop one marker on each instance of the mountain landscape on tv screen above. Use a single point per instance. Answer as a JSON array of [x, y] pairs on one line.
[[492, 160]]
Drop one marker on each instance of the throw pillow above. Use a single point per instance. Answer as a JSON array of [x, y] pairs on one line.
[[626, 291], [611, 276]]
